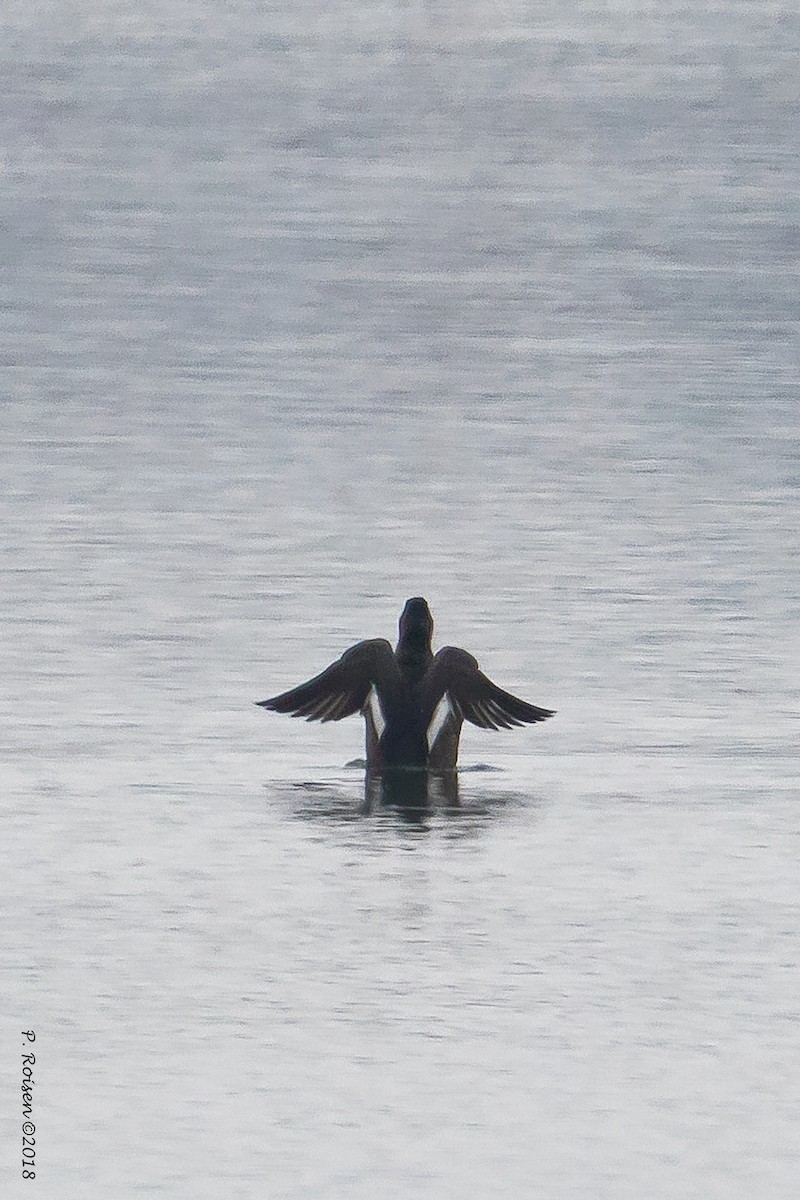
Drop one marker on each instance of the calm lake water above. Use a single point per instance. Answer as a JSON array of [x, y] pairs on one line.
[[308, 309]]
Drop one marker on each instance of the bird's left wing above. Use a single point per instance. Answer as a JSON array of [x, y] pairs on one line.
[[342, 688]]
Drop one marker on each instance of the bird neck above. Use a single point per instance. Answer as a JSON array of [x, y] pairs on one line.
[[414, 654]]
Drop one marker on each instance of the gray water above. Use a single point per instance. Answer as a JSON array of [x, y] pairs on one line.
[[309, 308]]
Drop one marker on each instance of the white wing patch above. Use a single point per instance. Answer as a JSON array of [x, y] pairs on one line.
[[441, 715], [376, 713]]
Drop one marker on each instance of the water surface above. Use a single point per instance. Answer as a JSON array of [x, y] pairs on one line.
[[308, 310]]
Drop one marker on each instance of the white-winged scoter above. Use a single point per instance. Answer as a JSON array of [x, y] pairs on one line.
[[414, 701]]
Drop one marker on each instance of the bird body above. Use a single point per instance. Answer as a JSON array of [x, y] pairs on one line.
[[414, 701]]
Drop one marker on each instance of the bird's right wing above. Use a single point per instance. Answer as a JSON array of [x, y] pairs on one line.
[[342, 689], [454, 674]]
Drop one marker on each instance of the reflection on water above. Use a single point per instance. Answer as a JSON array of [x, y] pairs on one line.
[[412, 794], [427, 803]]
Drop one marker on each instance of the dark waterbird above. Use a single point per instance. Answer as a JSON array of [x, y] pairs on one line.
[[414, 701]]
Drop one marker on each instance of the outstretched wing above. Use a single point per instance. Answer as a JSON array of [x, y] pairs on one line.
[[472, 695], [342, 689]]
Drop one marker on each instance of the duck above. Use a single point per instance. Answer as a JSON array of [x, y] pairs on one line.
[[414, 702]]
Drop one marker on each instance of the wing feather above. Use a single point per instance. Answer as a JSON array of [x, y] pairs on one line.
[[473, 695], [341, 690]]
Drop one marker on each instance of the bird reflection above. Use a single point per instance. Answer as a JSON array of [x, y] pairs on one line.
[[417, 801], [412, 794]]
